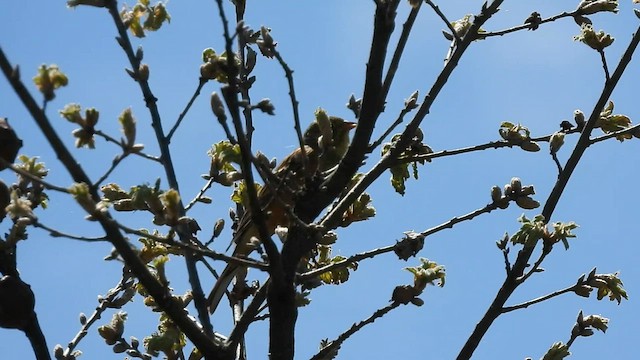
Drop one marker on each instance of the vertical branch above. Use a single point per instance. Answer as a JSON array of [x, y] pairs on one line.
[[372, 107], [294, 101], [163, 144], [334, 217], [397, 55]]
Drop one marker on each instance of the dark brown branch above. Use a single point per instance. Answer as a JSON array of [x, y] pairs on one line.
[[165, 153], [294, 102], [528, 26], [333, 218], [195, 95], [397, 55], [335, 344]]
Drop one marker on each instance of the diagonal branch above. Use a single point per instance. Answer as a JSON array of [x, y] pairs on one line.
[[512, 281], [160, 293]]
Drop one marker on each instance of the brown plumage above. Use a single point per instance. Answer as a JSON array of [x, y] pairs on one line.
[[289, 182]]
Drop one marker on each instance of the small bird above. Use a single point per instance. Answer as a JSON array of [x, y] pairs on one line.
[[324, 148]]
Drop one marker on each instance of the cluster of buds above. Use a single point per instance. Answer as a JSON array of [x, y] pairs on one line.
[[607, 284], [85, 134], [164, 205], [595, 40], [223, 157], [216, 67], [514, 191], [427, 273], [586, 324], [266, 44], [154, 17], [49, 79], [519, 135]]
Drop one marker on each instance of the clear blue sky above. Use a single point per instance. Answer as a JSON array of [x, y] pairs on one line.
[[535, 78]]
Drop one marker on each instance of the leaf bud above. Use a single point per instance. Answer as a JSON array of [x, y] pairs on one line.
[[516, 185], [217, 107], [527, 202], [578, 116], [496, 193], [143, 70], [556, 142], [530, 146]]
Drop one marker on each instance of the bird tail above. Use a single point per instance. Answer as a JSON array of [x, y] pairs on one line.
[[220, 287]]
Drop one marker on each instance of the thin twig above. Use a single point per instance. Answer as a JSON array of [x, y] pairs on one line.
[[603, 58], [507, 263], [437, 10], [201, 193], [125, 149], [527, 26], [249, 315], [554, 156], [195, 95], [201, 251], [294, 103], [33, 178], [230, 95], [57, 233], [631, 130], [116, 161], [397, 54], [97, 314], [533, 269], [398, 121], [334, 346], [372, 253], [540, 299]]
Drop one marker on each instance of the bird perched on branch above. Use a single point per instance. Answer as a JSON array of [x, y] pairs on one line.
[[326, 141]]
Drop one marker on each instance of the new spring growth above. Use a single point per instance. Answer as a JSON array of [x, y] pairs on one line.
[[585, 324], [266, 44], [48, 79], [128, 123], [428, 272], [85, 134], [578, 117], [265, 106], [514, 191], [533, 230], [80, 192], [218, 107], [412, 102], [112, 332], [171, 201], [143, 70], [556, 142], [588, 7], [354, 105], [19, 208], [519, 135], [595, 40]]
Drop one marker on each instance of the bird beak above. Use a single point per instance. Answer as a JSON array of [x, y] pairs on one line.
[[349, 125]]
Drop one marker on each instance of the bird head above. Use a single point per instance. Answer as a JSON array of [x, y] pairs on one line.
[[329, 136]]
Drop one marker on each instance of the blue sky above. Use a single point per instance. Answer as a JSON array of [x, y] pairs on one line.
[[534, 78]]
